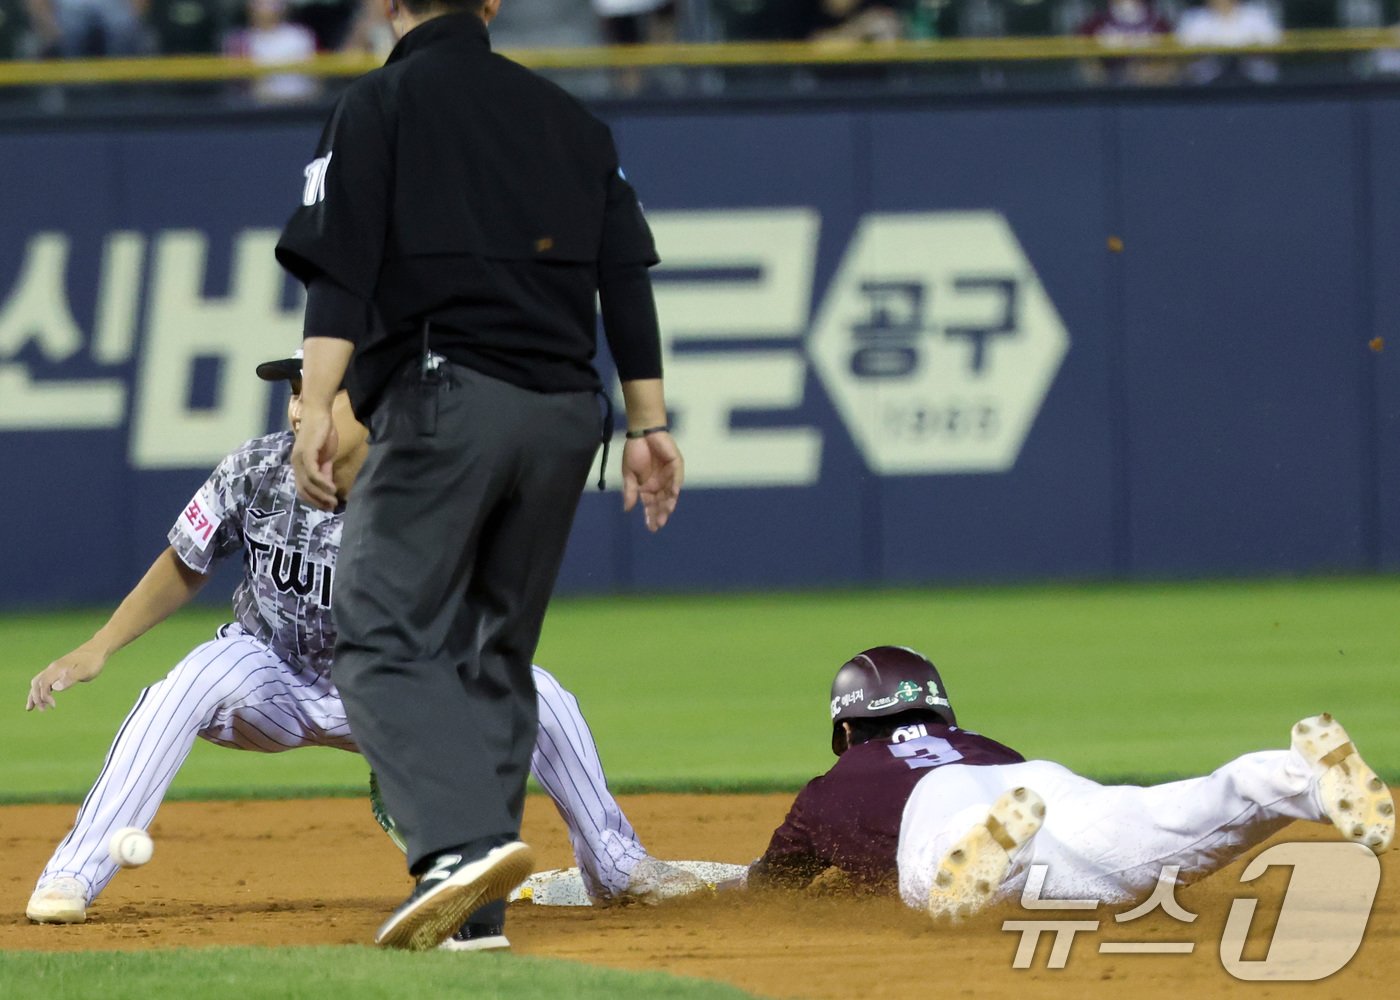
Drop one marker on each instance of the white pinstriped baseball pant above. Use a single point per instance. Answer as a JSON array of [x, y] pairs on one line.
[[236, 692]]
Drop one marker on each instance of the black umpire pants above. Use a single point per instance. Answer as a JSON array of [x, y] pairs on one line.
[[451, 544]]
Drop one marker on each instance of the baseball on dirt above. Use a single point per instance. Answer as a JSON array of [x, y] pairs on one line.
[[130, 847]]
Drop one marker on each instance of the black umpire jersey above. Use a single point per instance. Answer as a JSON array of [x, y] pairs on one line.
[[456, 186]]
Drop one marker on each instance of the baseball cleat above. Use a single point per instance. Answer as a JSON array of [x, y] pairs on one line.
[[477, 937], [974, 868], [1353, 798], [450, 890], [62, 901]]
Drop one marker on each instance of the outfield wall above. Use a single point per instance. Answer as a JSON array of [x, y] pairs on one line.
[[950, 339]]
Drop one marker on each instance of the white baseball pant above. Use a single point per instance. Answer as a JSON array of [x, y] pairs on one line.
[[235, 692], [1108, 842]]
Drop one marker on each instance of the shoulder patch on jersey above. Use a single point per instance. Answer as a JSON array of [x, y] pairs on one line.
[[197, 523]]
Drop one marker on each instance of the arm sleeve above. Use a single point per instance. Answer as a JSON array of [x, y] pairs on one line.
[[331, 311], [211, 526], [342, 225], [629, 320]]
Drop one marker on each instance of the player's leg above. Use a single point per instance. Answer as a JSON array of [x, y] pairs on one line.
[[977, 869], [148, 750], [612, 861], [613, 864], [517, 561], [967, 836], [1112, 842], [439, 619]]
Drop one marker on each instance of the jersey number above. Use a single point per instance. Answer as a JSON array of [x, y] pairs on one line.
[[926, 751], [314, 189]]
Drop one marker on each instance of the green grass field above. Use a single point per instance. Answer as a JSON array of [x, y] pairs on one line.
[[1142, 681], [1134, 681], [316, 973]]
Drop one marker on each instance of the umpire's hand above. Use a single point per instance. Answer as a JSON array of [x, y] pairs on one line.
[[653, 469], [313, 455]]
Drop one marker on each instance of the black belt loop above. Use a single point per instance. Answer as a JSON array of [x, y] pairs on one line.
[[606, 435], [425, 362]]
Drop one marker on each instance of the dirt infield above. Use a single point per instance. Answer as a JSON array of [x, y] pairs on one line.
[[320, 872]]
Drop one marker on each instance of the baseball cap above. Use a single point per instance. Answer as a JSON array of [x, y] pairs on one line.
[[281, 370]]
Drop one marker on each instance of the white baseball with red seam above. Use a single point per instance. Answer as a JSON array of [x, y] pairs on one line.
[[130, 847]]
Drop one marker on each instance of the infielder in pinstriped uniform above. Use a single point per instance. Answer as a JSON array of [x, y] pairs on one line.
[[263, 683]]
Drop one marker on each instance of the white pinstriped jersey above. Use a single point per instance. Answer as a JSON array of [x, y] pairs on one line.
[[250, 504]]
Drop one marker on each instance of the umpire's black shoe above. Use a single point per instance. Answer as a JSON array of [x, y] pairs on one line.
[[449, 891], [477, 937]]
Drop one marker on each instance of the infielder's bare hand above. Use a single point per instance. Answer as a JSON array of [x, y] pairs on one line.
[[313, 454], [652, 470], [79, 666]]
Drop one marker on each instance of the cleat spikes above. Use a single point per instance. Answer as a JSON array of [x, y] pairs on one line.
[[974, 869], [1352, 797]]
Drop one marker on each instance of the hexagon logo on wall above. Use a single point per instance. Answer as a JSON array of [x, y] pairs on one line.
[[937, 343]]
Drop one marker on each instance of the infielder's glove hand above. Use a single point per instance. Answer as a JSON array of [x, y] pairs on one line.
[[79, 666], [381, 813]]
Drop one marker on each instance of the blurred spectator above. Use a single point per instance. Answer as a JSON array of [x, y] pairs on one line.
[[634, 22], [758, 20], [72, 29], [370, 31], [331, 21], [1127, 24], [1234, 24], [16, 40], [534, 24], [269, 39], [521, 24], [637, 22], [926, 18], [800, 20], [1385, 61], [188, 26], [856, 21]]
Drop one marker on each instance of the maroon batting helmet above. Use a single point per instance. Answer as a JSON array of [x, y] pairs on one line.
[[886, 680]]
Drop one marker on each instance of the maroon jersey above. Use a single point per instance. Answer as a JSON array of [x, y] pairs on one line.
[[849, 817], [1116, 28]]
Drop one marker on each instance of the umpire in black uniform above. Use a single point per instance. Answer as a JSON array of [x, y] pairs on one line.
[[459, 217]]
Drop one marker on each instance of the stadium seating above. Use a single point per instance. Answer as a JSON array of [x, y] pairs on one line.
[[772, 19]]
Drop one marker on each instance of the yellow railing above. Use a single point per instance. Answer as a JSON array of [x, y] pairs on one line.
[[174, 69]]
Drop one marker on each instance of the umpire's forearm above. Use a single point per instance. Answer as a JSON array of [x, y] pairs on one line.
[[166, 588], [645, 399], [323, 364]]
